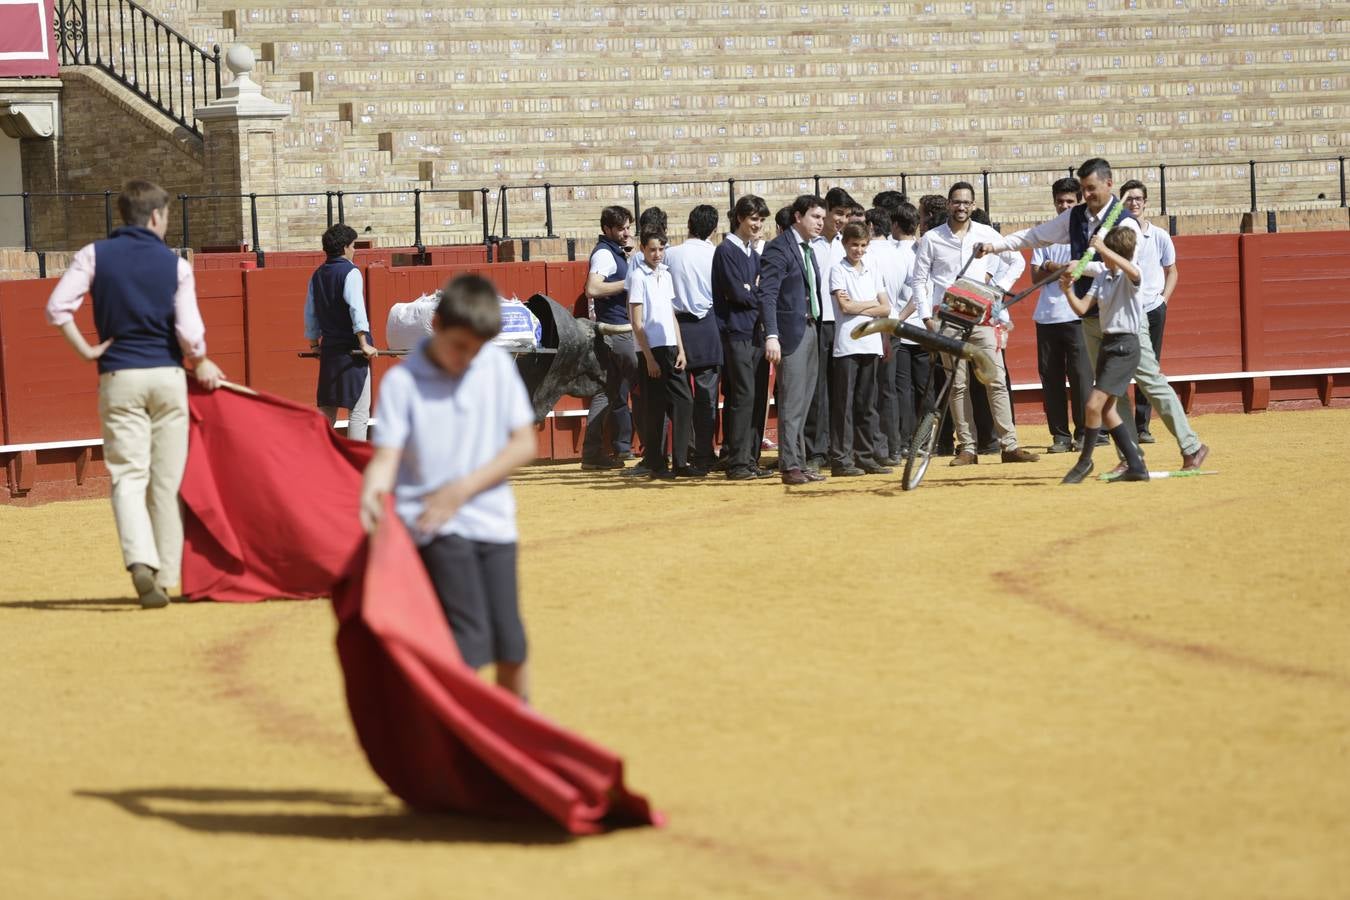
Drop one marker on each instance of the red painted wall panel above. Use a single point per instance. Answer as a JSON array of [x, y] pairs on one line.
[[1204, 316], [566, 283], [274, 328], [50, 394], [220, 297], [1296, 299]]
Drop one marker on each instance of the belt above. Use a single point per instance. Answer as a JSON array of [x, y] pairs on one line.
[[689, 317]]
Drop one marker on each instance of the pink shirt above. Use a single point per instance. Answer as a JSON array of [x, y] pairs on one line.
[[69, 293]]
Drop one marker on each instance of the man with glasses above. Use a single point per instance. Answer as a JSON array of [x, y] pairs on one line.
[[940, 255], [1159, 281]]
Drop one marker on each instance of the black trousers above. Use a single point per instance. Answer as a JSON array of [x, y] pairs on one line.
[[746, 384], [853, 408], [704, 415], [668, 393], [818, 416], [912, 367], [888, 403], [1061, 352], [1157, 321]]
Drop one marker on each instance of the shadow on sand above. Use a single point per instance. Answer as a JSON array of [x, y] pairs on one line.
[[331, 815]]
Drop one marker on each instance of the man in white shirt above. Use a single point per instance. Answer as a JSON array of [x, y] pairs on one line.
[[940, 255], [665, 382], [1156, 289], [828, 248], [1060, 350], [1076, 227], [690, 267]]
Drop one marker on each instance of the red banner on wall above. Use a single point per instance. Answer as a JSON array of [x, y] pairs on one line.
[[27, 38]]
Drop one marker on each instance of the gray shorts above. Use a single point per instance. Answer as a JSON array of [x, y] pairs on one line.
[[476, 584], [1117, 362]]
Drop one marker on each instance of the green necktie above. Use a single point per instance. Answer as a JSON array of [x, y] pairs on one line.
[[809, 271]]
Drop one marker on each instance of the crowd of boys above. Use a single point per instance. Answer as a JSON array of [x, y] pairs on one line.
[[710, 319]]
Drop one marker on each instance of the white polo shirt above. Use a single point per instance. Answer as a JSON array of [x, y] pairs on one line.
[[1162, 253], [449, 427], [1118, 302], [827, 254], [863, 287], [654, 291], [892, 268], [690, 266], [1052, 307]]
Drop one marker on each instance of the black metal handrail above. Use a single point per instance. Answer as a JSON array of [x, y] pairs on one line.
[[127, 41], [336, 205]]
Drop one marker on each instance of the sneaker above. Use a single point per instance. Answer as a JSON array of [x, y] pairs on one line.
[[1019, 455], [846, 471], [1077, 473], [1060, 447], [766, 473], [766, 444], [638, 471], [1146, 438], [151, 595], [1194, 460], [964, 458]]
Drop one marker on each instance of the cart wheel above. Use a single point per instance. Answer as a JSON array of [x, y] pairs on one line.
[[921, 449]]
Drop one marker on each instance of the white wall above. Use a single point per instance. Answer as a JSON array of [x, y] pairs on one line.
[[11, 182]]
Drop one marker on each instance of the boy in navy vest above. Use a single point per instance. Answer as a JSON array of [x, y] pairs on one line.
[[336, 326], [149, 328], [618, 353]]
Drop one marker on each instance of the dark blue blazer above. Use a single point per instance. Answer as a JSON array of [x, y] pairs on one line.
[[735, 305], [783, 305]]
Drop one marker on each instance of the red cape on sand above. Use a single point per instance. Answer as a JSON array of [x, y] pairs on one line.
[[271, 497]]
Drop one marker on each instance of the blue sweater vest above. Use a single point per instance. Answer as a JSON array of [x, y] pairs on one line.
[[613, 310], [1080, 235], [135, 279], [330, 306]]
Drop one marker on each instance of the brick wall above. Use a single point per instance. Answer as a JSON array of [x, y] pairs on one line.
[[107, 136]]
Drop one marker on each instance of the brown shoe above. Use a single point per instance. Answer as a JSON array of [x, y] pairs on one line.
[[813, 477], [965, 458], [795, 476], [1020, 455], [1193, 460]]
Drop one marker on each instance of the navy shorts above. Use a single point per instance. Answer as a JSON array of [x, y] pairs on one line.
[[1117, 361], [476, 584]]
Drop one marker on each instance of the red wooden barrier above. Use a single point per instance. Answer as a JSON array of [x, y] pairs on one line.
[[1296, 300], [566, 283], [274, 328], [220, 297], [50, 394], [212, 261]]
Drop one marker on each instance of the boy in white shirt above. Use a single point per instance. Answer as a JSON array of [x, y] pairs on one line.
[[894, 264], [455, 422], [858, 296], [1115, 291], [665, 383]]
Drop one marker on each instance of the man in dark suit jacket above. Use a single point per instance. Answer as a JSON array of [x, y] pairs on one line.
[[791, 295], [745, 371]]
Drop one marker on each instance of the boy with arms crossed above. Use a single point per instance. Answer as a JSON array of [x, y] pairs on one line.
[[455, 422], [665, 383]]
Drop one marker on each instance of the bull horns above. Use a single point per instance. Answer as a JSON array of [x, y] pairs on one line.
[[606, 328], [986, 369]]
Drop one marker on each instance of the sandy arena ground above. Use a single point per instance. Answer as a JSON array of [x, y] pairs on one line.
[[995, 687]]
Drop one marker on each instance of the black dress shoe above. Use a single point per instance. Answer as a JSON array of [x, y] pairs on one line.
[[690, 472], [638, 471], [795, 476], [846, 471], [661, 475], [895, 460], [814, 476], [1103, 439], [766, 473], [601, 465], [872, 468], [1077, 473], [1060, 447], [1131, 475], [742, 474]]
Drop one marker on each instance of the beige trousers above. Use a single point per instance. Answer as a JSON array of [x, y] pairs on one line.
[[1000, 404], [145, 441]]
